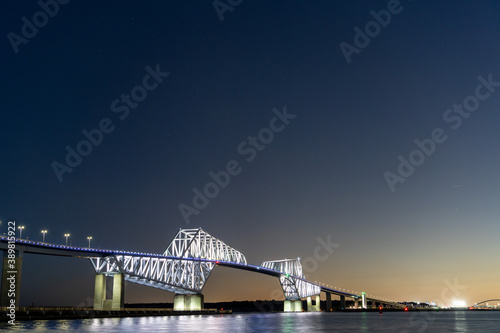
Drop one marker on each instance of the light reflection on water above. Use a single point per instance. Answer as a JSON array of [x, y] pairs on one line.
[[461, 322], [458, 321]]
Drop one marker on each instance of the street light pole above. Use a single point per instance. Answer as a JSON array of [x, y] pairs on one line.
[[66, 235], [21, 228], [43, 235], [89, 238]]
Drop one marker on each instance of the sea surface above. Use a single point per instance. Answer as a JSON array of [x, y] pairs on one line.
[[435, 322]]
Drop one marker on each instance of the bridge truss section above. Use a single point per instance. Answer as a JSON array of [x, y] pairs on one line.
[[292, 279], [196, 243], [183, 268], [174, 275]]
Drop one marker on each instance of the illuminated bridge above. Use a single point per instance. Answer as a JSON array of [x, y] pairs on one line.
[[487, 304], [183, 269]]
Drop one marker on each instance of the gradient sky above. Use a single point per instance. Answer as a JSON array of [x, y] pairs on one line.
[[323, 175]]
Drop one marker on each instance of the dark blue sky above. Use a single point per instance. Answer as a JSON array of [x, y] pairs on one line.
[[323, 174]]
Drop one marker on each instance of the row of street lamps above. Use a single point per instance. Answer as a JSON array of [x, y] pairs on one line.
[[21, 228]]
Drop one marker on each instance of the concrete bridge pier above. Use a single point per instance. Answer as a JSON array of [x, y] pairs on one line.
[[293, 306], [328, 302], [363, 300], [374, 305], [188, 302], [356, 303], [11, 279], [100, 301], [342, 302], [313, 303]]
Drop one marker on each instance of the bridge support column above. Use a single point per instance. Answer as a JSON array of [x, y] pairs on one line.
[[118, 292], [293, 306], [342, 302], [99, 291], [313, 303], [374, 305], [288, 306], [179, 302], [11, 279], [100, 301], [298, 305], [194, 302], [363, 300], [356, 303], [188, 302], [328, 302]]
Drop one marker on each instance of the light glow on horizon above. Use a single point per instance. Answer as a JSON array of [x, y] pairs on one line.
[[458, 303]]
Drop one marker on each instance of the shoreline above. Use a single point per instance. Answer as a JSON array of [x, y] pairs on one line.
[[48, 313], [55, 313]]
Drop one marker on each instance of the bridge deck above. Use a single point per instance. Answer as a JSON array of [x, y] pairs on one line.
[[35, 247]]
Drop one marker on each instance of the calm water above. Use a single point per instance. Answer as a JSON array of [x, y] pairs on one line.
[[459, 321]]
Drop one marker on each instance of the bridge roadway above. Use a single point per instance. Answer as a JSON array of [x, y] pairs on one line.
[[35, 247]]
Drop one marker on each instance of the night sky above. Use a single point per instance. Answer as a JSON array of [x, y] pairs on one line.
[[351, 107]]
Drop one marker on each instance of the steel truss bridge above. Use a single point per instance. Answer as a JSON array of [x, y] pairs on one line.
[[486, 304], [184, 268]]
